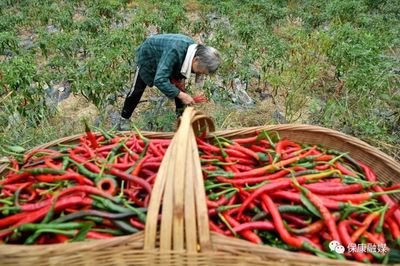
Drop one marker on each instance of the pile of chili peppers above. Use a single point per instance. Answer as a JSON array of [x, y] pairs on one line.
[[275, 191], [96, 188], [265, 189]]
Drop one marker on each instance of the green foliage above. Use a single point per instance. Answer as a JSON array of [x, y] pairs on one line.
[[345, 11], [330, 63], [8, 41], [175, 14], [20, 77]]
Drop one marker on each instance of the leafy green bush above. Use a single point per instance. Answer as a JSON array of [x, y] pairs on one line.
[[8, 41], [330, 63]]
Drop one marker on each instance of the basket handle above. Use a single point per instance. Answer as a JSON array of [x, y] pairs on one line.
[[179, 187]]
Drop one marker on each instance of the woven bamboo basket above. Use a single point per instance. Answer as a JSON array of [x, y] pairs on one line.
[[183, 236]]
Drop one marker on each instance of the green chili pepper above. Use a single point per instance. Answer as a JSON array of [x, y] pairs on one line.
[[117, 208], [32, 238], [125, 226], [93, 213], [379, 228], [38, 171], [49, 215], [60, 226], [83, 170]]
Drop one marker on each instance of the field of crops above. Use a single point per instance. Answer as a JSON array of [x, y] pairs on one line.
[[328, 63]]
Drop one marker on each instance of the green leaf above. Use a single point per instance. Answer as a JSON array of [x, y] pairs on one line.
[[263, 157], [394, 256], [81, 235], [15, 148], [308, 204]]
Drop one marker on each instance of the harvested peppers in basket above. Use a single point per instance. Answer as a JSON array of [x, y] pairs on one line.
[[275, 191], [94, 188]]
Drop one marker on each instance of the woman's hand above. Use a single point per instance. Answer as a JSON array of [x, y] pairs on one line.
[[185, 98]]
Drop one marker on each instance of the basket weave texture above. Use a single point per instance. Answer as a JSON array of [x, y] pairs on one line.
[[183, 236]]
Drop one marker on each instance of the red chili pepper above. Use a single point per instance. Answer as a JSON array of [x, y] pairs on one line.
[[243, 168], [372, 238], [323, 189], [41, 204], [230, 166], [366, 223], [153, 149], [133, 196], [87, 189], [391, 211], [322, 167], [145, 173], [326, 236], [50, 178], [324, 158], [271, 167], [209, 168], [236, 153], [207, 146], [258, 225], [137, 224], [344, 170], [143, 183], [200, 99], [258, 148], [89, 165], [109, 147], [16, 186], [247, 234], [294, 219], [253, 180], [98, 235], [139, 165], [394, 230], [247, 151], [30, 217], [214, 227], [12, 219], [325, 213], [61, 238], [14, 164], [91, 137], [151, 165], [50, 152], [283, 145], [295, 197], [278, 185], [313, 228], [91, 153], [222, 200], [79, 149], [346, 240], [393, 187], [360, 197], [278, 223], [16, 177], [51, 164], [120, 166], [247, 140], [211, 204]]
